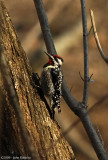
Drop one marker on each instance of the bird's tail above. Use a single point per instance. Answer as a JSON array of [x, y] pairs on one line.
[[54, 106]]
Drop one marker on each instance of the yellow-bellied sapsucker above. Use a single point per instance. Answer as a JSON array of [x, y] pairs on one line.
[[51, 81]]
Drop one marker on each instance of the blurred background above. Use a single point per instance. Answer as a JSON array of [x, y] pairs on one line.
[[66, 27]]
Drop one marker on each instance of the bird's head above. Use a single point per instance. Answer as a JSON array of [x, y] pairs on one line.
[[54, 60]]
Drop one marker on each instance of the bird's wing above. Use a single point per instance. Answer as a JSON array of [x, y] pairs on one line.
[[46, 82]]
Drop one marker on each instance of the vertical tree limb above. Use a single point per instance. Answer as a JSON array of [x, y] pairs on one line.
[[86, 61]]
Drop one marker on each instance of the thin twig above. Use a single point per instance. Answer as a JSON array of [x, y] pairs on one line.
[[96, 38], [90, 79], [74, 105], [81, 77], [86, 61]]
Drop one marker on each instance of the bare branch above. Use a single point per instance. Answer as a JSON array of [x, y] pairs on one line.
[[45, 27], [86, 62], [89, 111], [96, 38]]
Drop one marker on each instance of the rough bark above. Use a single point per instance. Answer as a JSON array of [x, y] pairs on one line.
[[44, 134]]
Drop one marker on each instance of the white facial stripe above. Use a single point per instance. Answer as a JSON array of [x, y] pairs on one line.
[[50, 66], [60, 61]]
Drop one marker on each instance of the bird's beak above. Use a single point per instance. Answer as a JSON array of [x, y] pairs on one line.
[[49, 55]]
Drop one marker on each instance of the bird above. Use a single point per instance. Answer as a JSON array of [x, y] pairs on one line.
[[51, 81]]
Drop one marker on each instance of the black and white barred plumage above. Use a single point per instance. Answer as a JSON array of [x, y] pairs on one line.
[[51, 81]]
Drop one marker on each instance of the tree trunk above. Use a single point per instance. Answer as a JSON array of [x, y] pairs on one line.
[[23, 112]]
